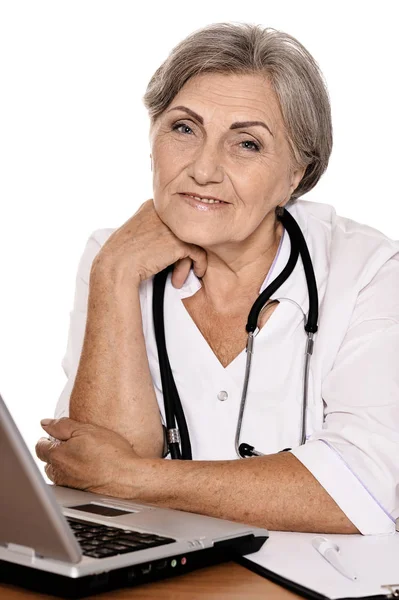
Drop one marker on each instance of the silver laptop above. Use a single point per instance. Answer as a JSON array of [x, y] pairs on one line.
[[71, 543]]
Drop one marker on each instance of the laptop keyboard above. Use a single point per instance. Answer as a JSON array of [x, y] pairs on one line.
[[101, 541]]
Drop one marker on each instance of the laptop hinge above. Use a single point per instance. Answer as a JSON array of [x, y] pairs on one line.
[[25, 550]]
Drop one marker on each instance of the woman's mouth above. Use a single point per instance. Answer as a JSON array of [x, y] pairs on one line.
[[203, 203]]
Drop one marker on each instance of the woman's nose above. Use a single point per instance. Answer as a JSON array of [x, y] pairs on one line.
[[206, 166]]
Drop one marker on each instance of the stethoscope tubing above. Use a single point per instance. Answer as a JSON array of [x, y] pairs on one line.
[[177, 433], [298, 246], [173, 408]]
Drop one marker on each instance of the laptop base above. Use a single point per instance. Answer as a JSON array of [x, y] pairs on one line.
[[68, 587]]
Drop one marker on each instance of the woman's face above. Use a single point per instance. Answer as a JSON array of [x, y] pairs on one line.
[[203, 143]]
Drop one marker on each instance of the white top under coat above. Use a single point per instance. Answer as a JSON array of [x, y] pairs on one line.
[[353, 397]]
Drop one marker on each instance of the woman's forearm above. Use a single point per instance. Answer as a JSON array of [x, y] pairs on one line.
[[276, 492], [113, 386]]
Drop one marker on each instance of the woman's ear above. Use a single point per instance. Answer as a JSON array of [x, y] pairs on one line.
[[296, 177]]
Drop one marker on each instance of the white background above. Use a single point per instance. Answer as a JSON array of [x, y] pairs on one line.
[[74, 149]]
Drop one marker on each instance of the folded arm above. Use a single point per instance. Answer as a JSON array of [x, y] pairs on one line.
[[276, 491], [112, 387]]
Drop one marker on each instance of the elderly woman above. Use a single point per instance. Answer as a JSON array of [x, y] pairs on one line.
[[240, 129]]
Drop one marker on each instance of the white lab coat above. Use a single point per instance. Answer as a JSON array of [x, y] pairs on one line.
[[352, 445]]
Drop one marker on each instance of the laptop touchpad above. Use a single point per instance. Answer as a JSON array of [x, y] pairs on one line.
[[101, 509]]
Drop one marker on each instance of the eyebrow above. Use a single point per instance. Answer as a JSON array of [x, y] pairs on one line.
[[237, 125]]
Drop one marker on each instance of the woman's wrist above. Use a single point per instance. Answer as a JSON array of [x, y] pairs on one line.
[[139, 479], [106, 272]]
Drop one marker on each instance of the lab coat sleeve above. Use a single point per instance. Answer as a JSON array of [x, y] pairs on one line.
[[355, 456], [77, 323]]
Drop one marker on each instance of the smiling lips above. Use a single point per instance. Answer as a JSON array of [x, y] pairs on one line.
[[205, 199]]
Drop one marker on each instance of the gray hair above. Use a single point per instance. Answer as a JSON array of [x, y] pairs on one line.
[[243, 48]]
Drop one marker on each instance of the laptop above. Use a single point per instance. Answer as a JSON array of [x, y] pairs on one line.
[[72, 543]]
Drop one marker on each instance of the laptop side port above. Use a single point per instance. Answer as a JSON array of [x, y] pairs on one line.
[[161, 564], [145, 569]]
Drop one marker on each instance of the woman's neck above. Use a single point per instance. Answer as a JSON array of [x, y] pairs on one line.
[[235, 273]]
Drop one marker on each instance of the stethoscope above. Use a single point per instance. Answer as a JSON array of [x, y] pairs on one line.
[[177, 435]]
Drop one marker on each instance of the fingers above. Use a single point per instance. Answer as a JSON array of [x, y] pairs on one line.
[[200, 261], [49, 470], [57, 476], [180, 272], [44, 447], [45, 451], [62, 429], [197, 259]]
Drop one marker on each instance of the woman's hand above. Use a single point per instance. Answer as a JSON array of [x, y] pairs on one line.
[[144, 246], [88, 457]]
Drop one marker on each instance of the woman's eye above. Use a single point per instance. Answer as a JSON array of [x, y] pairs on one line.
[[176, 126], [255, 147], [183, 128]]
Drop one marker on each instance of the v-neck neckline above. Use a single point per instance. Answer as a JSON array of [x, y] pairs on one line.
[[192, 285], [212, 356]]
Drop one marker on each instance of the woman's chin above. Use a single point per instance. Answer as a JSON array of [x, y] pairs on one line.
[[197, 238], [191, 233]]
